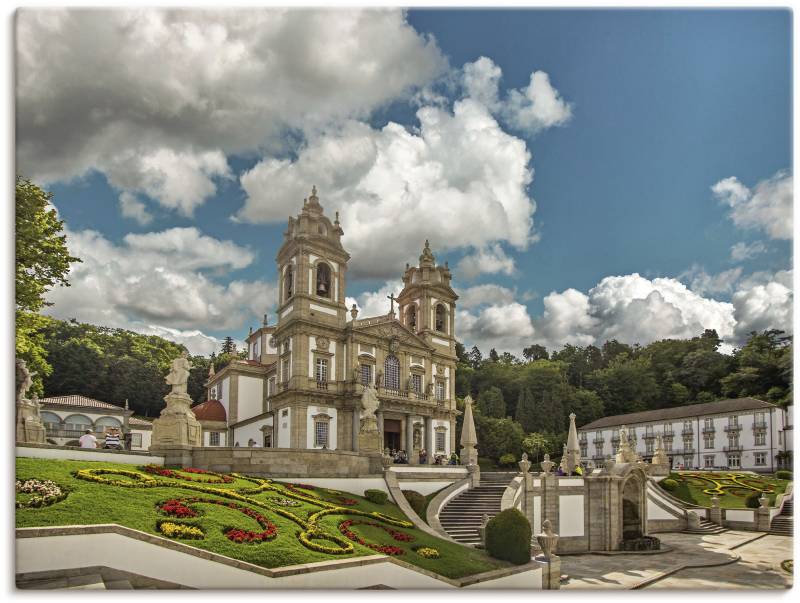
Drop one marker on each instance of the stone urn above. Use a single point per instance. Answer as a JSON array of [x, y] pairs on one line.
[[763, 501], [548, 540], [524, 464], [547, 464]]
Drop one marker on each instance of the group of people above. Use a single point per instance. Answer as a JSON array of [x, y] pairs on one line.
[[400, 457], [112, 440]]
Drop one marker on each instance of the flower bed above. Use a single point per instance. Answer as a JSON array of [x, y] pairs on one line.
[[219, 478], [427, 551], [43, 493], [180, 531], [344, 528]]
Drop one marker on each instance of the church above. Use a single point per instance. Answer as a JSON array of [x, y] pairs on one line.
[[301, 384]]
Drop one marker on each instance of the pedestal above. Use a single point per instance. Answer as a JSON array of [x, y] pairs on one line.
[[369, 437], [177, 426], [30, 429]]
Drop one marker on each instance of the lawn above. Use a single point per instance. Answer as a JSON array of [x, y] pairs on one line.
[[732, 487], [255, 520]]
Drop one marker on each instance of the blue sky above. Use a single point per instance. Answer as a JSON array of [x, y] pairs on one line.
[[652, 109]]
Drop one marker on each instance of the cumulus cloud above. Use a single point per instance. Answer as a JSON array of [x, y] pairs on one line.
[[173, 92], [133, 207], [490, 259], [702, 283], [488, 294], [503, 326], [767, 207], [459, 180], [157, 282], [197, 342], [375, 303], [764, 301], [745, 251]]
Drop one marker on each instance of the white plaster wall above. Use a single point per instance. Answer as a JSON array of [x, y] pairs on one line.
[[284, 426], [740, 515], [224, 393], [332, 428], [654, 511], [252, 430], [251, 397], [570, 515], [87, 454]]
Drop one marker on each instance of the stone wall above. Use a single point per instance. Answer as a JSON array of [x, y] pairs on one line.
[[49, 451], [281, 462]]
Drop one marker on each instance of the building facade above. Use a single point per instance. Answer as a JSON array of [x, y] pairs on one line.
[[302, 382], [66, 419], [742, 433]]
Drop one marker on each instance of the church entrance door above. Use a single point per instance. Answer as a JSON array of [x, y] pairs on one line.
[[391, 434]]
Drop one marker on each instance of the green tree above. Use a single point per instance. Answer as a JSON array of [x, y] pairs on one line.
[[497, 437], [493, 355], [526, 410], [491, 403], [536, 445], [761, 364], [627, 385], [586, 405], [475, 357], [535, 352], [228, 346]]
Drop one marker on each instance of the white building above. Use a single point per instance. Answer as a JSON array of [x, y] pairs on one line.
[[743, 433], [66, 419]]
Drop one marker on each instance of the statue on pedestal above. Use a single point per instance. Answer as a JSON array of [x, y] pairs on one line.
[[369, 437], [625, 454], [177, 425], [30, 428]]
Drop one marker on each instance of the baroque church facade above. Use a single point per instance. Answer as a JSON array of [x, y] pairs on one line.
[[301, 384]]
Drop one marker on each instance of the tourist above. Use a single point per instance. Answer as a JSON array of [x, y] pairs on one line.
[[453, 459], [251, 442], [423, 457], [112, 440], [88, 440]]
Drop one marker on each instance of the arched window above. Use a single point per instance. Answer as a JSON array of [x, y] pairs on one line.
[[288, 282], [323, 280], [51, 421], [103, 424], [78, 423], [411, 317], [391, 372], [441, 318]]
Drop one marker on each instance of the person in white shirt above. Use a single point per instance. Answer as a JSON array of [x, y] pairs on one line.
[[88, 440]]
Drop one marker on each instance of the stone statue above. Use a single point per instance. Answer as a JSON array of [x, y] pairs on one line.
[[30, 428], [356, 374], [417, 437], [178, 376], [378, 378], [625, 454], [369, 403]]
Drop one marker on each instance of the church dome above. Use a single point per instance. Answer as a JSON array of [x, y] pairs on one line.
[[210, 410]]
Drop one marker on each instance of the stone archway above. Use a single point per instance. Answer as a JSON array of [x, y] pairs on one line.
[[632, 516]]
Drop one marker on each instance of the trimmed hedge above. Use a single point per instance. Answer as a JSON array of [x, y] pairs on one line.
[[669, 484], [752, 500], [379, 497], [508, 537], [783, 474], [417, 501]]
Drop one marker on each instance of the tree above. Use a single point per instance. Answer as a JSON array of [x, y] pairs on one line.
[[536, 444], [586, 405], [42, 257], [761, 364], [228, 346], [475, 357], [491, 403], [625, 386], [526, 410], [535, 352], [497, 437], [493, 356]]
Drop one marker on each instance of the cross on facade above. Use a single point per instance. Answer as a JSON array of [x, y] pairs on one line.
[[392, 298]]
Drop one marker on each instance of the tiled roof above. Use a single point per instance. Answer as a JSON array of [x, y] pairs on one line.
[[680, 412], [210, 410], [141, 422], [75, 400]]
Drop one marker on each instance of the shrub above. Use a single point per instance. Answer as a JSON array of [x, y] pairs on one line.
[[783, 474], [379, 497], [670, 485], [752, 500], [507, 460], [508, 537], [417, 501]]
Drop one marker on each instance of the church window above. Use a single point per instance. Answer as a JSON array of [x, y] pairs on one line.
[[440, 390], [416, 383], [213, 438], [288, 282], [366, 374], [411, 318], [323, 280], [391, 372], [321, 433], [441, 315], [322, 370], [440, 441]]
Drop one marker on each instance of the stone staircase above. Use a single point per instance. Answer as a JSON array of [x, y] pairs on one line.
[[706, 527], [783, 524], [461, 517]]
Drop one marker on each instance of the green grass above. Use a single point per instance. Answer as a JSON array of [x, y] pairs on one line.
[[95, 503], [734, 495]]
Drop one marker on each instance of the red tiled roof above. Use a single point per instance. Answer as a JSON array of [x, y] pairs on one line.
[[75, 400], [210, 410], [142, 422]]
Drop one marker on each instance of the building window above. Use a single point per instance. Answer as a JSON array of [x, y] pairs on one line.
[[136, 440], [285, 412], [614, 447], [598, 451], [708, 461], [761, 438], [322, 370], [411, 317], [440, 440], [687, 443], [667, 445], [321, 434], [441, 317], [760, 459], [649, 447], [213, 438], [780, 438], [391, 373], [323, 280], [667, 429], [285, 370], [366, 374], [734, 461], [584, 451], [708, 441], [440, 392], [267, 440], [733, 421], [733, 440], [288, 283], [416, 383]]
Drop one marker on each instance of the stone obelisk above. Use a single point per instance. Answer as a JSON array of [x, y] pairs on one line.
[[469, 455], [573, 452]]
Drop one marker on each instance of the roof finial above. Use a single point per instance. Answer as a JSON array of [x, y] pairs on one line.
[[266, 322], [126, 404], [313, 190]]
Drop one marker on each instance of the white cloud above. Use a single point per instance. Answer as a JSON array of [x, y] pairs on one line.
[[488, 294], [376, 303], [490, 259], [134, 208], [767, 207], [505, 327], [197, 342], [157, 280], [745, 251], [704, 283], [157, 98], [763, 302], [460, 181]]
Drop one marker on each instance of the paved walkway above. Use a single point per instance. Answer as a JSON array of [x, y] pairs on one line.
[[696, 561]]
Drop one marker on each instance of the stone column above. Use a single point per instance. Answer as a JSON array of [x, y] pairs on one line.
[[356, 427], [410, 439], [762, 514], [379, 415], [430, 444], [716, 511]]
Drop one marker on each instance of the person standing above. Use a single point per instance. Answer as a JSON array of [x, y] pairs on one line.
[[112, 440], [88, 440]]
